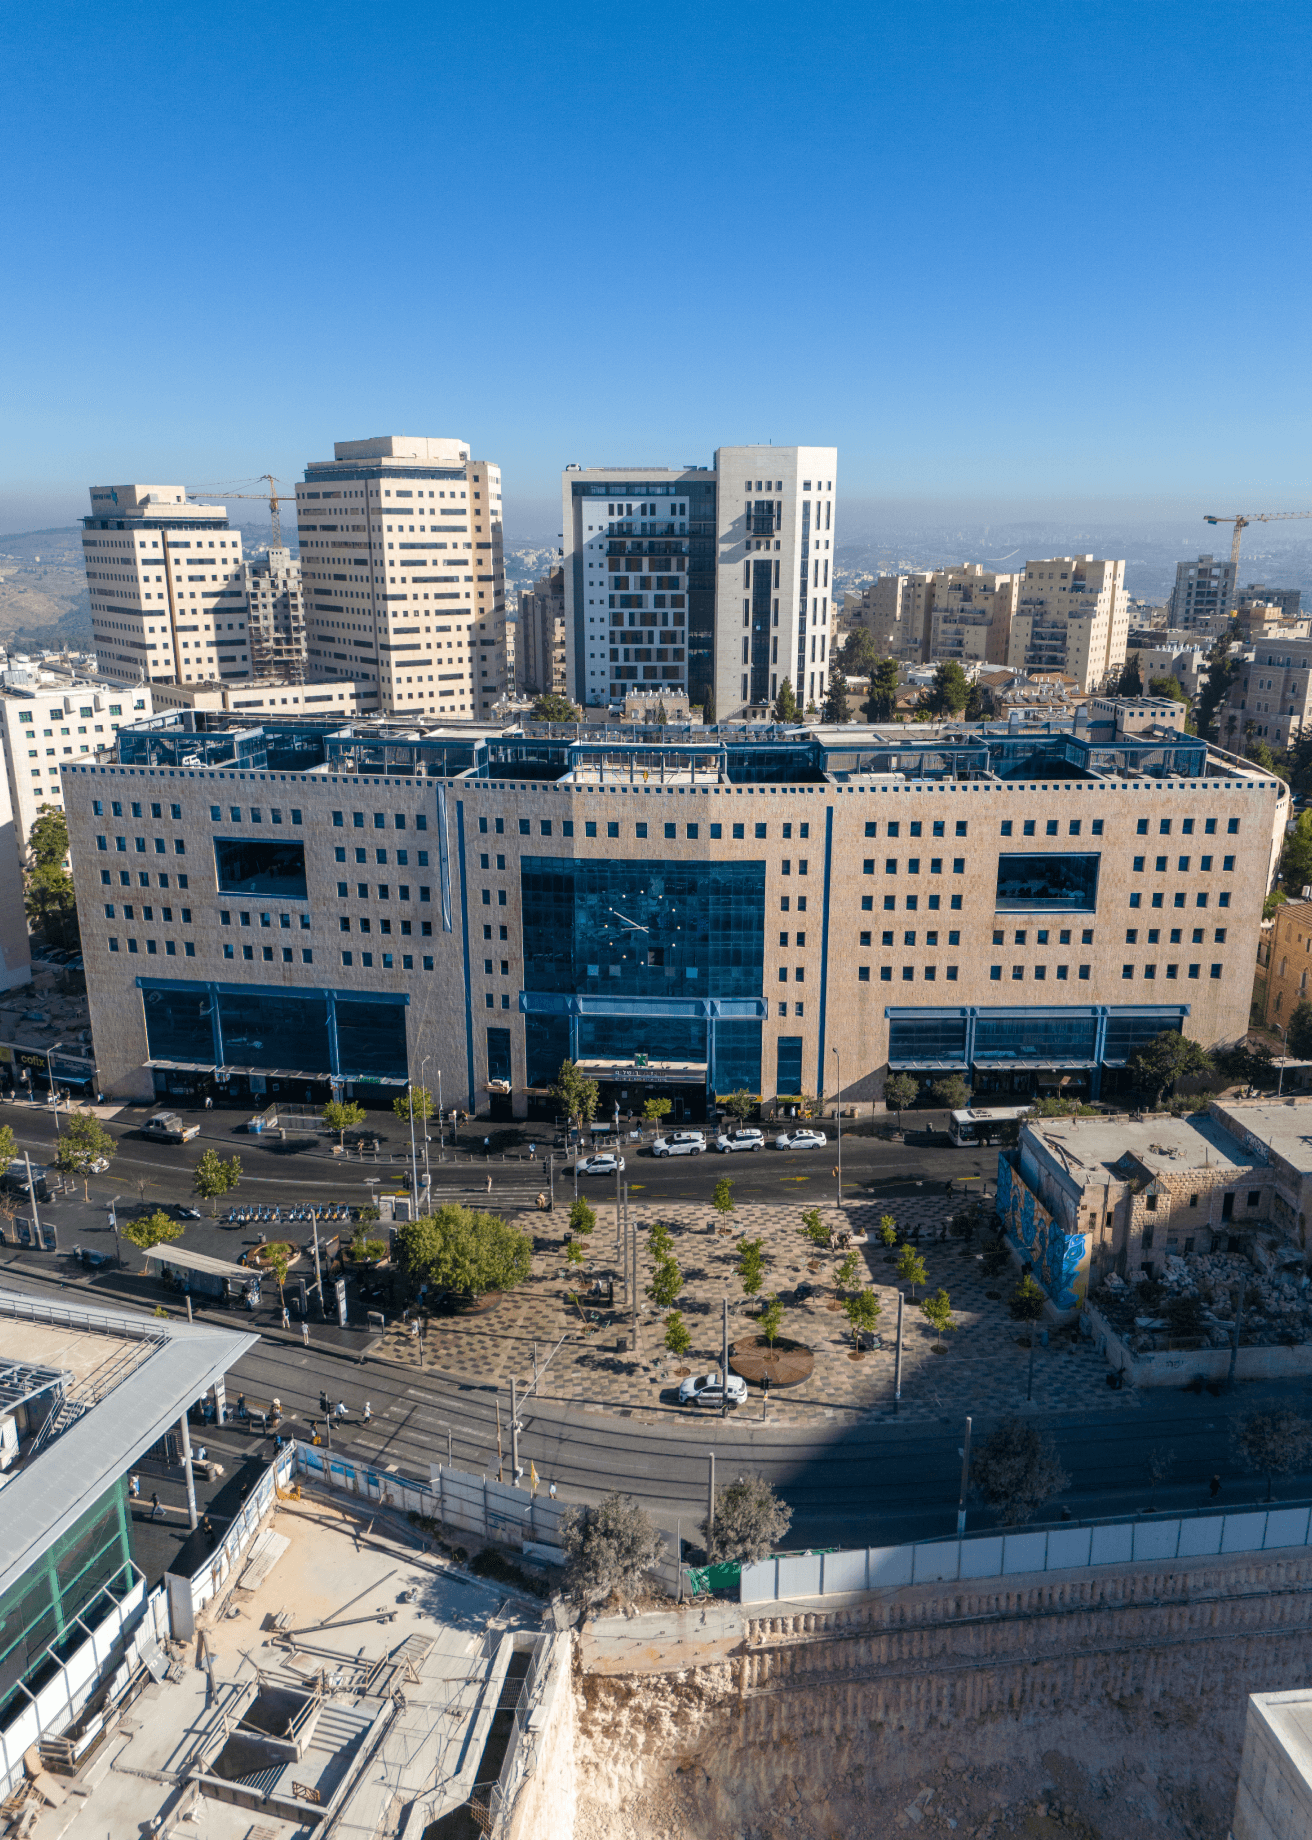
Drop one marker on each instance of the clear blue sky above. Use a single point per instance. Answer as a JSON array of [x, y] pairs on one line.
[[1013, 250]]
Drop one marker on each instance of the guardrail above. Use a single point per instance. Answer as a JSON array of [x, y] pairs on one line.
[[1068, 1547]]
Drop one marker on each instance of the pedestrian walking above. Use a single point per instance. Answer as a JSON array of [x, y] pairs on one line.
[[207, 1529], [305, 1334], [134, 1487], [489, 1185], [532, 1151], [551, 1490], [341, 1408], [367, 1413], [286, 1317], [1214, 1487], [156, 1512], [209, 1103]]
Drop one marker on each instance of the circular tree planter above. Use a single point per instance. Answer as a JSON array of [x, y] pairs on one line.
[[786, 1364], [258, 1256]]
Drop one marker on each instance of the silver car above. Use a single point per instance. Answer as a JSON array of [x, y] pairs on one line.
[[706, 1390], [741, 1140], [679, 1143], [604, 1164], [800, 1140]]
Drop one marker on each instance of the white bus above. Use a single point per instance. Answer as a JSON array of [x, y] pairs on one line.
[[999, 1124]]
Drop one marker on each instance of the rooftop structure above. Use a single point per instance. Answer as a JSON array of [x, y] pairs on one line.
[[1274, 1799]]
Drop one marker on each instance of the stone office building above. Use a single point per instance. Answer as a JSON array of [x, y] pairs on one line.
[[300, 906]]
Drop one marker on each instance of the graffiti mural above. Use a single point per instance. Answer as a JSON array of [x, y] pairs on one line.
[[1060, 1259]]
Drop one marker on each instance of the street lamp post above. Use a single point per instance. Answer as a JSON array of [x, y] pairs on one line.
[[428, 1179], [50, 1076], [838, 1108], [1284, 1038], [414, 1165]]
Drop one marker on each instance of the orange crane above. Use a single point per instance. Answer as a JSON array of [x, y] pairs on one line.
[[273, 498], [1242, 522]]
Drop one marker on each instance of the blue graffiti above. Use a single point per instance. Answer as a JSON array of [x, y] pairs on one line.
[[1058, 1258]]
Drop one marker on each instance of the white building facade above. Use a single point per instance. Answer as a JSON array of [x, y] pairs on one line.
[[714, 581], [51, 720], [1072, 616], [164, 576], [404, 574]]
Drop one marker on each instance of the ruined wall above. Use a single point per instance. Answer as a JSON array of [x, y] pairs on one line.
[[838, 1715]]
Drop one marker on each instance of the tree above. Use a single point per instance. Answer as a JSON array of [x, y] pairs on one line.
[[1260, 754], [845, 1276], [677, 1337], [885, 682], [462, 1250], [660, 715], [659, 1241], [1296, 857], [574, 1252], [8, 1148], [656, 1109], [771, 1319], [722, 1199], [418, 1102], [951, 690], [937, 1311], [835, 704], [1299, 1040], [576, 1094], [751, 1265], [213, 1177], [1274, 1443], [951, 1092], [1016, 1469], [739, 1104], [1026, 1305], [1169, 687], [343, 1115], [666, 1283], [901, 1090], [750, 1521], [47, 841], [1222, 669], [1168, 1057], [151, 1230], [862, 1311], [51, 905], [1131, 681], [607, 1548], [82, 1142], [551, 706], [582, 1216], [858, 656], [278, 1257], [785, 703], [814, 1228], [911, 1269], [888, 1230]]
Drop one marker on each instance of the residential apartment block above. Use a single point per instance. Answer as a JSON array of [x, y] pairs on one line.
[[165, 580], [1203, 597], [1289, 600], [1288, 950], [714, 581], [1072, 615], [275, 615], [1271, 697], [896, 610], [971, 616], [540, 652], [404, 574], [332, 905]]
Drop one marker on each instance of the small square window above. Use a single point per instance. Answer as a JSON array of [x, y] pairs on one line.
[[872, 828], [612, 827], [641, 830], [738, 830], [1006, 827], [717, 830], [589, 827], [995, 973], [863, 974]]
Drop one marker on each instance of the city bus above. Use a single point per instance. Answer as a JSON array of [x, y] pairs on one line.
[[999, 1124]]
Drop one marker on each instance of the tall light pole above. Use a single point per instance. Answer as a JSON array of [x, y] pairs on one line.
[[838, 1109], [441, 1140], [50, 1076], [428, 1179], [1282, 1033], [414, 1165]]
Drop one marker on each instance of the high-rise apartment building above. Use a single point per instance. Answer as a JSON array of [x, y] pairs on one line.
[[1289, 600], [540, 636], [971, 615], [1072, 616], [48, 718], [714, 581], [1270, 697], [275, 616], [404, 574], [895, 610], [1203, 596], [167, 601]]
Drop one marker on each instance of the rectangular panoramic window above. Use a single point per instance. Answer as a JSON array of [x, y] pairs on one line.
[[246, 865], [1049, 881]]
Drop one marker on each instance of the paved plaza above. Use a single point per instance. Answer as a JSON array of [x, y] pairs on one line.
[[983, 1367]]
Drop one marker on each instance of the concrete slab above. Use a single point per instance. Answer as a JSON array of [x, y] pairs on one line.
[[662, 1641]]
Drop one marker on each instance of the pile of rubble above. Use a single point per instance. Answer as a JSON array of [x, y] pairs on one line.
[[1277, 1298]]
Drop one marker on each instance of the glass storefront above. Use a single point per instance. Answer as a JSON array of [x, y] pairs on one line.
[[312, 1032]]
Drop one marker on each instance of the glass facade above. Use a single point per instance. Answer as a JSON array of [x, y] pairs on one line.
[[1071, 1035], [1086, 1036], [788, 1065], [324, 1034], [666, 933], [60, 1585], [1045, 881], [288, 1030], [928, 1038], [249, 865], [1127, 1033], [498, 1054]]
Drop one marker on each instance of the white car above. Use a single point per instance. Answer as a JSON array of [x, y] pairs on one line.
[[99, 1166], [679, 1143], [604, 1164], [741, 1140], [706, 1390], [800, 1140]]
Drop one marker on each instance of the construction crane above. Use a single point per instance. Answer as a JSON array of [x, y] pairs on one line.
[[1241, 523], [273, 498]]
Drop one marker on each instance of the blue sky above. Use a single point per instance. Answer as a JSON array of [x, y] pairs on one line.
[[1006, 251]]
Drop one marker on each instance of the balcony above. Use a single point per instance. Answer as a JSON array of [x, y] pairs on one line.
[[762, 523]]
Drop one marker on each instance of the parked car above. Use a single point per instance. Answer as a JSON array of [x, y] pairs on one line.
[[679, 1143], [741, 1140], [604, 1164], [803, 1291], [800, 1140], [99, 1166], [168, 1128], [707, 1390], [187, 1213]]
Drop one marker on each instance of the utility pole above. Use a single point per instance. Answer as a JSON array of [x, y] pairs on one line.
[[724, 1376], [710, 1503], [897, 1358], [965, 1482], [618, 1241], [186, 1464], [414, 1165], [838, 1112], [633, 1233], [318, 1275], [1234, 1346], [514, 1435], [31, 1195]]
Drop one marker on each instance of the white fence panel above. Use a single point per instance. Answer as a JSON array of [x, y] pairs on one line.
[[1243, 1533], [891, 1566], [1024, 1552], [1201, 1538], [799, 1575], [1286, 1527], [1112, 1545], [981, 1558], [1156, 1539], [1068, 1548], [936, 1561], [844, 1571]]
